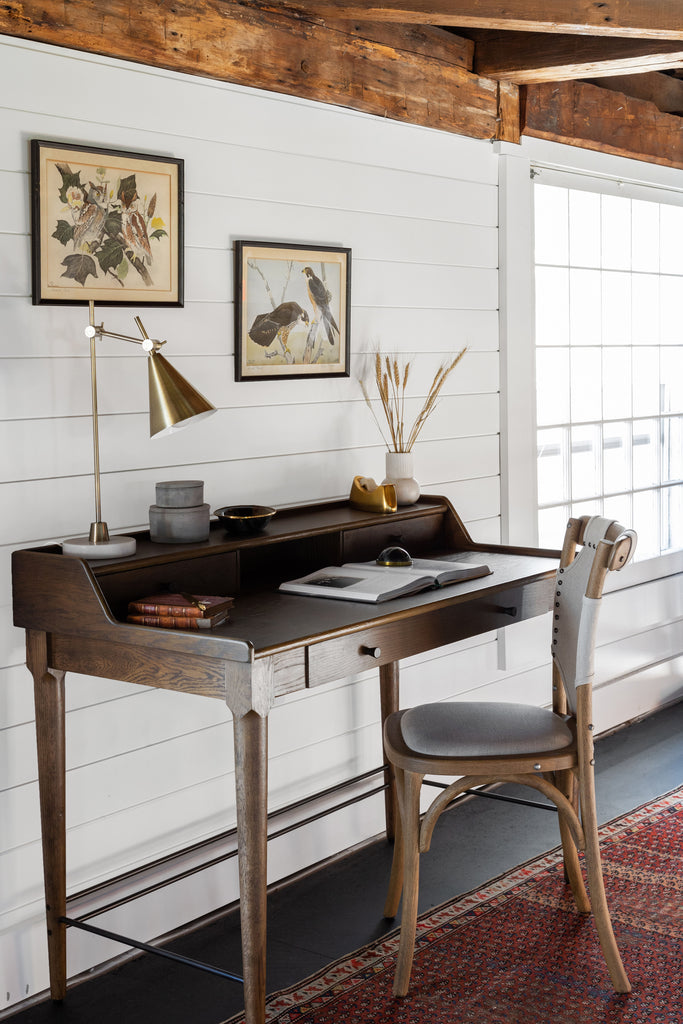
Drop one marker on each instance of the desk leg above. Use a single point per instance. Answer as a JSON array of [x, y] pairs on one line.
[[251, 782], [48, 687], [388, 690]]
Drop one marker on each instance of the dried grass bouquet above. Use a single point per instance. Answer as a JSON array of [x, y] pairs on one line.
[[391, 379]]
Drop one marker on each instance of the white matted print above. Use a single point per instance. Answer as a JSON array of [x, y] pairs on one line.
[[292, 310]]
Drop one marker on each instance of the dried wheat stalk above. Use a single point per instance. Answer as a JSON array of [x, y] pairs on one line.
[[391, 381]]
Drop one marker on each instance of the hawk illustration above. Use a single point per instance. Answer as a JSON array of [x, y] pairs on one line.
[[321, 298], [278, 322]]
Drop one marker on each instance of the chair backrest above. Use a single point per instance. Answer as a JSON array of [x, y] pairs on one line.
[[578, 591]]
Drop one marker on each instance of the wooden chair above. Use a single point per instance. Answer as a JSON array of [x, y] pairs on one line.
[[551, 751]]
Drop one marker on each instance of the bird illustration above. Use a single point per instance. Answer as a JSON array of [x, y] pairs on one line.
[[134, 229], [321, 298], [278, 322], [89, 227]]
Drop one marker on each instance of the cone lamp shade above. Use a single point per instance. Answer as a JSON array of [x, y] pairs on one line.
[[173, 403]]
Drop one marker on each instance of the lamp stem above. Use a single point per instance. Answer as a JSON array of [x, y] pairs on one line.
[[98, 529]]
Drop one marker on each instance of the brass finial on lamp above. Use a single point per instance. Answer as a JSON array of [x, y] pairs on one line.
[[173, 403]]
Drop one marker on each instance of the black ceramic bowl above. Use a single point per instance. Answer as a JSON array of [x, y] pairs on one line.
[[245, 519]]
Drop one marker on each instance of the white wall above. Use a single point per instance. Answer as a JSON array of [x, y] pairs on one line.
[[150, 771]]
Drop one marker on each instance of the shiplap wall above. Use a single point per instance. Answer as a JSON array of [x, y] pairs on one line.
[[151, 771]]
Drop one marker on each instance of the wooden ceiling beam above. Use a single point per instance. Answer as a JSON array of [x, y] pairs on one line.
[[526, 57], [408, 74], [651, 19], [585, 115], [664, 91]]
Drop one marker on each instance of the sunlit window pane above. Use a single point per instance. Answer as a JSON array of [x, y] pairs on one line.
[[645, 362], [670, 234], [616, 233], [552, 385], [551, 224], [609, 366], [552, 524], [645, 236], [672, 379], [586, 508], [618, 506], [552, 306], [584, 229], [645, 309], [616, 457], [585, 307], [553, 464], [616, 383], [586, 384], [672, 449], [672, 518], [646, 522], [645, 453], [670, 319], [586, 451], [616, 309]]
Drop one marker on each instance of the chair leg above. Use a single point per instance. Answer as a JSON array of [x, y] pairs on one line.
[[408, 787], [596, 884], [566, 783], [396, 879]]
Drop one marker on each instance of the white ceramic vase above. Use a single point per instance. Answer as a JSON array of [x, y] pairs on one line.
[[399, 472]]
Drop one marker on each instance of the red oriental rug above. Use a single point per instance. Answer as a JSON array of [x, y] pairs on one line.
[[516, 951]]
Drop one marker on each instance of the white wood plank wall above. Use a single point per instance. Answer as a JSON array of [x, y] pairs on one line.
[[150, 771]]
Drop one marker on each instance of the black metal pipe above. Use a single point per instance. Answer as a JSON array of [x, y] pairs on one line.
[[180, 875], [493, 796], [147, 948]]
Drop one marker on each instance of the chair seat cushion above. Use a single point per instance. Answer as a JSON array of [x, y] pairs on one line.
[[482, 729]]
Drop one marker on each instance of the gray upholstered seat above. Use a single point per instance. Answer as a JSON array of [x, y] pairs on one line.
[[473, 729]]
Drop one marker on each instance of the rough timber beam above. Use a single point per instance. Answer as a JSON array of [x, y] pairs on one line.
[[580, 114], [408, 74], [526, 57], [653, 19], [664, 91]]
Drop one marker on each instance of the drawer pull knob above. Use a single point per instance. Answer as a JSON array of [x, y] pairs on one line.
[[373, 652], [511, 611]]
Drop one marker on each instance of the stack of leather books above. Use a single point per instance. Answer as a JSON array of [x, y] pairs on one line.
[[180, 611]]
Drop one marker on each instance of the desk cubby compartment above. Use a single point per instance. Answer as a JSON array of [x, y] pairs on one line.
[[214, 573], [265, 566], [421, 535]]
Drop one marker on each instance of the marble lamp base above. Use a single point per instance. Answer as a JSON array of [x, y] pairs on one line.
[[115, 547]]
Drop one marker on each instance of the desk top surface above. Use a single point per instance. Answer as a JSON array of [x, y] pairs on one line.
[[65, 595]]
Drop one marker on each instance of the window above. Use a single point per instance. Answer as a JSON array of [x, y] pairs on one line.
[[609, 357]]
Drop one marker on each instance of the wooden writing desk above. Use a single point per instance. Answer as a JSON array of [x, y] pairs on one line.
[[74, 616]]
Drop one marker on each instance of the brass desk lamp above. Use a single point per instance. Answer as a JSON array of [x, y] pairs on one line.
[[173, 403]]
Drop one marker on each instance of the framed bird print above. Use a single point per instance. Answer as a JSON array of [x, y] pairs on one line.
[[106, 225], [292, 310]]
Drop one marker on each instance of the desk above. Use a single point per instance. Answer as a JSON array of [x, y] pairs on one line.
[[74, 613]]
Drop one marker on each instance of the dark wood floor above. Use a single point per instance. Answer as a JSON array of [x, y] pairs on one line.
[[330, 913]]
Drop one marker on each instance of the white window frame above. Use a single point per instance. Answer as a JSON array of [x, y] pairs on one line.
[[518, 440]]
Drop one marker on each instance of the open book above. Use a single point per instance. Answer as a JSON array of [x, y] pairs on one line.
[[372, 583]]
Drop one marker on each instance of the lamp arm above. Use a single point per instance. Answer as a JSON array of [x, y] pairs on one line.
[[149, 344]]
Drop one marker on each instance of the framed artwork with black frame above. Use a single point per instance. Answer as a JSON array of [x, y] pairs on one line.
[[107, 226], [292, 310]]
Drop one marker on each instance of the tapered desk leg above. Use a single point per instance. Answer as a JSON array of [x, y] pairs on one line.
[[251, 782], [50, 736], [388, 689]]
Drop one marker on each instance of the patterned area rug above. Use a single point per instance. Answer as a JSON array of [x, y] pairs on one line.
[[516, 951]]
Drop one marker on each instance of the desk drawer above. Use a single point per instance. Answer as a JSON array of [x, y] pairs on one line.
[[347, 655], [423, 630]]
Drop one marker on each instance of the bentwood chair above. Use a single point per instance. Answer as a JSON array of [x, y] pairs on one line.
[[549, 750]]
